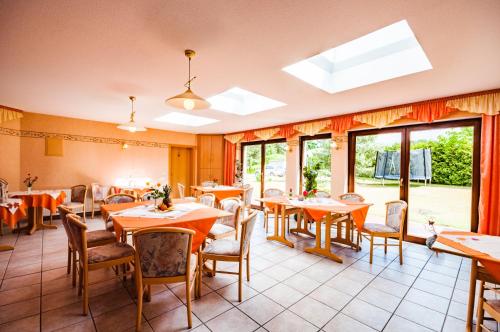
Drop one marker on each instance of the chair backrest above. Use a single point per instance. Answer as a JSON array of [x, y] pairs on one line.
[[322, 194], [247, 227], [98, 192], [78, 193], [182, 189], [232, 205], [63, 213], [352, 197], [207, 199], [237, 184], [208, 184], [163, 252], [273, 192], [147, 196], [4, 187], [119, 198], [395, 214], [247, 195], [78, 235]]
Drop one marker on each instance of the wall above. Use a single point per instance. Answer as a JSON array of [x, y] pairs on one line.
[[85, 162], [10, 156]]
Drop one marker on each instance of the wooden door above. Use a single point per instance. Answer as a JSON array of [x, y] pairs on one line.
[[181, 168]]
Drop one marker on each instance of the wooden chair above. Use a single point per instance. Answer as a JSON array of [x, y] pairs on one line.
[[322, 194], [90, 259], [247, 198], [273, 192], [4, 186], [78, 199], [163, 256], [147, 196], [207, 199], [94, 239], [227, 226], [208, 183], [119, 198], [232, 251], [393, 228], [182, 192], [97, 194], [352, 197], [491, 306]]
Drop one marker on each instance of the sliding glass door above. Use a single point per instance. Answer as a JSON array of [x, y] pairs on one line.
[[434, 168], [316, 150], [264, 166]]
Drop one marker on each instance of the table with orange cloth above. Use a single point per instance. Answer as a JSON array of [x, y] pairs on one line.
[[200, 218], [483, 249], [37, 200], [12, 210], [220, 192], [320, 210]]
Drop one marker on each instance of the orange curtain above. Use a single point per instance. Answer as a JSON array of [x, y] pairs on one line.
[[249, 136], [229, 162], [286, 131], [429, 111], [340, 124], [489, 209]]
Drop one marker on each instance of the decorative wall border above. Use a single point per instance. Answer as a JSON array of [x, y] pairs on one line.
[[80, 138]]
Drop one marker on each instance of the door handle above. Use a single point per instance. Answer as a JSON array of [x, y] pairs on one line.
[[400, 182]]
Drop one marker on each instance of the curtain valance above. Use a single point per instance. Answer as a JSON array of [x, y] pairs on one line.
[[266, 134], [234, 138], [380, 119], [488, 104], [312, 128], [9, 115]]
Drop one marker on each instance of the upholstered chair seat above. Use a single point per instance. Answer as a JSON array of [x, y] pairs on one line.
[[379, 228], [99, 236], [78, 199], [223, 247], [227, 226], [109, 252], [220, 230]]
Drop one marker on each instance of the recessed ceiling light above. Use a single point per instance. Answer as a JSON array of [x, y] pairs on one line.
[[185, 119], [242, 102], [390, 52]]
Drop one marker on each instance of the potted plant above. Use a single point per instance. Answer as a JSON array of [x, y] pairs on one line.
[[164, 193], [29, 181], [310, 175]]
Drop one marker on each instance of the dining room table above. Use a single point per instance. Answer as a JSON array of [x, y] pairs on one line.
[[12, 210], [220, 191], [484, 253], [130, 217], [37, 200], [320, 210]]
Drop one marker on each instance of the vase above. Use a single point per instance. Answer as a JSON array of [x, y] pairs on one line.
[[166, 203], [29, 190]]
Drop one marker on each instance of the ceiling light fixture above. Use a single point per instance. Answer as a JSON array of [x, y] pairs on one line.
[[188, 100], [131, 125]]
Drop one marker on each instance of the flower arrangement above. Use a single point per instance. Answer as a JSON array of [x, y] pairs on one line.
[[164, 193], [29, 181], [310, 175], [310, 193]]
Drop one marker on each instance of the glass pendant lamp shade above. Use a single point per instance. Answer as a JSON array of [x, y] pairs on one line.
[[188, 100], [131, 126]]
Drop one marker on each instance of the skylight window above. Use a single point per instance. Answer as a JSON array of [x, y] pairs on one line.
[[390, 52], [242, 102], [184, 119]]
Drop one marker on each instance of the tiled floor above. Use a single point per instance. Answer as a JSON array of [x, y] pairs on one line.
[[289, 291]]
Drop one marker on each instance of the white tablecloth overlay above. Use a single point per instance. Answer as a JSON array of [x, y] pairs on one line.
[[54, 193], [486, 244], [12, 209], [148, 211]]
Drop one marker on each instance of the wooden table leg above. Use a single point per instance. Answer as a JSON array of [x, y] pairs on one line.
[[326, 251], [340, 238], [472, 296], [277, 236], [36, 218], [301, 225], [6, 248]]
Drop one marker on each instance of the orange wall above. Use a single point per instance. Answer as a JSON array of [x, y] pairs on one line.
[[10, 156], [85, 162]]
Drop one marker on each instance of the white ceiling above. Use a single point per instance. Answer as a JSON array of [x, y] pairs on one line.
[[83, 59]]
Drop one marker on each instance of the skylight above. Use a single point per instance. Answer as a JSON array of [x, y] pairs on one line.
[[242, 102], [185, 119], [390, 52]]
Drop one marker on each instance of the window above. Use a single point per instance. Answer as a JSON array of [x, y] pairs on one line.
[[316, 150]]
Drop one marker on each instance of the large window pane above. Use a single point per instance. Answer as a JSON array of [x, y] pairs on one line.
[[252, 161], [275, 166], [318, 152]]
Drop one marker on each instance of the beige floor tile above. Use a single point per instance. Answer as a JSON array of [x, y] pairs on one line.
[[434, 288], [60, 299], [438, 278], [301, 283], [260, 308], [63, 317], [367, 314], [22, 270], [219, 281], [400, 277], [279, 272], [84, 326], [397, 324], [117, 320], [19, 294], [160, 303], [210, 306], [174, 321], [230, 293], [313, 311], [346, 284], [180, 291], [19, 310], [389, 287], [31, 323], [109, 301], [289, 322], [379, 299], [260, 282], [460, 296], [428, 300], [22, 281], [283, 295], [453, 325], [232, 320], [331, 297], [367, 267], [342, 323], [421, 315], [457, 310]]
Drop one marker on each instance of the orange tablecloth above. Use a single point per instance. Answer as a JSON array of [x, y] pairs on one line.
[[491, 264], [220, 193], [12, 219], [43, 200], [201, 221]]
